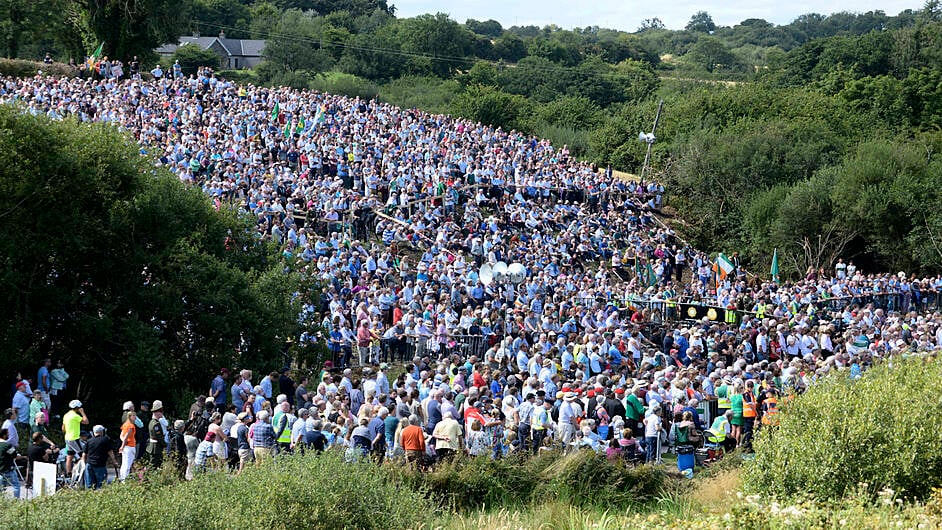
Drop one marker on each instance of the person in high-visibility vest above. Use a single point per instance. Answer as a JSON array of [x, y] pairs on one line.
[[282, 423], [722, 397], [770, 408], [718, 433], [749, 413]]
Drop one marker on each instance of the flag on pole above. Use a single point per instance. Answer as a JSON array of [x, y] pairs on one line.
[[276, 112], [299, 128], [774, 270], [288, 129], [90, 63], [320, 116], [723, 267]]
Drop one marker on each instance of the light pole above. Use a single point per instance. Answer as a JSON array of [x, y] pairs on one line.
[[649, 139], [504, 275]]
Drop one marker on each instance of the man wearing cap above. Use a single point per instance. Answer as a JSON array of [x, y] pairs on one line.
[[72, 427], [99, 452], [21, 401], [541, 424], [156, 442], [569, 413], [240, 431]]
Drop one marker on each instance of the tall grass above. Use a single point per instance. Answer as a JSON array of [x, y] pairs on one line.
[[293, 492]]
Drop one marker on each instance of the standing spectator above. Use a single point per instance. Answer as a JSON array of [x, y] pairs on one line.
[[9, 425], [59, 378], [128, 448], [217, 389], [263, 438], [44, 382], [156, 444], [21, 406], [286, 387], [8, 474], [72, 426], [177, 448], [413, 441], [99, 452]]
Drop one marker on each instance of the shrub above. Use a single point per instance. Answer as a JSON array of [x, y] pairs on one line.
[[22, 68], [430, 94], [344, 84], [294, 492], [239, 76], [876, 434]]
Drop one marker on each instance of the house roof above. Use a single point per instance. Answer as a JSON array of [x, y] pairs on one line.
[[234, 47]]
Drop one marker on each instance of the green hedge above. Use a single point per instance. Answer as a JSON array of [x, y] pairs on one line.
[[22, 68], [846, 438]]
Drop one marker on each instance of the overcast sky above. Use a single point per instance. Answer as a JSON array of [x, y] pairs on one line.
[[627, 15]]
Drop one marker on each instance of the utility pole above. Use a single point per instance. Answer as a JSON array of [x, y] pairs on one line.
[[649, 139]]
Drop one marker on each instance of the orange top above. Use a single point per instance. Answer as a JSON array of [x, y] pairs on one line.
[[413, 438], [128, 432]]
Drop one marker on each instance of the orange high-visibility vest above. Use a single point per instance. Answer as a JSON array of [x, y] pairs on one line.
[[748, 406], [769, 410]]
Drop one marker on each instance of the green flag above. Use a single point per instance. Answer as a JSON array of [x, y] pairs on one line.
[[774, 270], [276, 112], [299, 128], [287, 129]]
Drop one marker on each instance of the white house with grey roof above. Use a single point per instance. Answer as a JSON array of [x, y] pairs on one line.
[[233, 53]]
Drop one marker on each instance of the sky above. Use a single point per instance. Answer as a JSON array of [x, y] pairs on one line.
[[626, 15]]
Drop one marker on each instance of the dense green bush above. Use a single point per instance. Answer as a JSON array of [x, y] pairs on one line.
[[882, 432], [430, 94], [21, 68], [582, 478], [344, 84], [296, 492]]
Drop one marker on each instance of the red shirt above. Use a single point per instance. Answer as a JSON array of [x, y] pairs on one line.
[[413, 438]]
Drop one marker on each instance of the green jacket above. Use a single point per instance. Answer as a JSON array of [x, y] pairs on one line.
[[634, 409]]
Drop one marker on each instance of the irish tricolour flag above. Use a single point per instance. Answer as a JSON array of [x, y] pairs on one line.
[[723, 267]]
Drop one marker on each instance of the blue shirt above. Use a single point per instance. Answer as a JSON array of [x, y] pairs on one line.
[[236, 392], [219, 385], [43, 375], [263, 434]]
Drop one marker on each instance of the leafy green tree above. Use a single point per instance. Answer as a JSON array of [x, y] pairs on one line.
[[482, 73], [435, 36], [710, 53], [192, 57], [135, 27], [376, 56], [510, 48], [574, 112], [131, 277], [491, 106], [488, 28], [701, 22], [212, 16], [295, 43]]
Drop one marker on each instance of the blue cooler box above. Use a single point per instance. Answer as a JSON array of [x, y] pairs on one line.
[[685, 459]]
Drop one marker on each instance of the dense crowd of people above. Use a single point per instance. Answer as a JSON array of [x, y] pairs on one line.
[[395, 211]]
